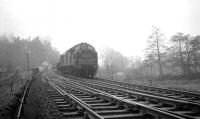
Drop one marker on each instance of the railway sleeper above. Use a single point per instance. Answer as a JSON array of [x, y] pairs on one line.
[[113, 107], [55, 96], [117, 112], [153, 103], [160, 104], [132, 97], [90, 99], [140, 100], [72, 114], [189, 108], [83, 96], [190, 98], [96, 101], [61, 102], [79, 94], [102, 104], [186, 111], [178, 96], [68, 109], [61, 106], [194, 114], [165, 106], [124, 96], [58, 99], [110, 111], [71, 111], [125, 116]]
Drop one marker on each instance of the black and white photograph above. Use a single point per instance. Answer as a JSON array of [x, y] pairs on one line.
[[99, 59]]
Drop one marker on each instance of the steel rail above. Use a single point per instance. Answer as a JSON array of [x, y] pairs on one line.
[[185, 116], [192, 96], [163, 100], [168, 100], [78, 101], [122, 85], [129, 90], [187, 93], [19, 111], [141, 106], [141, 94]]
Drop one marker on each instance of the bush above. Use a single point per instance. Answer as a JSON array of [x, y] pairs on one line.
[[8, 111]]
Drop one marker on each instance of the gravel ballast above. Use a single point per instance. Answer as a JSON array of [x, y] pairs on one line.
[[39, 104]]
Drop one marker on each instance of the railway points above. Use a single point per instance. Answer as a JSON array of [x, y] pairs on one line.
[[174, 106], [67, 82]]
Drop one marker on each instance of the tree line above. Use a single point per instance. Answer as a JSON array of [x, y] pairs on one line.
[[177, 57], [15, 51]]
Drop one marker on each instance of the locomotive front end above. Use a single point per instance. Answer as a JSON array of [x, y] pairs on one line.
[[87, 61], [80, 60]]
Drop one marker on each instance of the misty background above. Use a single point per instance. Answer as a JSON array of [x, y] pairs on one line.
[[134, 39]]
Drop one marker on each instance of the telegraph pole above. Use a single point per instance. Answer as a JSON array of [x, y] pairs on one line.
[[28, 61]]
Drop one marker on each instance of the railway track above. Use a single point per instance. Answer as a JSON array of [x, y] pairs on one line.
[[157, 91], [93, 103], [171, 93], [181, 108], [19, 110]]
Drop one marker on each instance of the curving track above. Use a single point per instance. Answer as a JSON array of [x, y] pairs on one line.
[[85, 100], [171, 93], [180, 107]]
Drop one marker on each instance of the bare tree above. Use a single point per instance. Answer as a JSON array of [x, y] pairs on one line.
[[113, 62], [156, 46], [188, 53], [149, 63], [178, 41], [195, 49]]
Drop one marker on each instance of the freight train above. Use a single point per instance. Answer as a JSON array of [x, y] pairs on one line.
[[80, 60]]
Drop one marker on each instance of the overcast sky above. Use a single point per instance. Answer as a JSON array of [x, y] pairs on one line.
[[123, 25]]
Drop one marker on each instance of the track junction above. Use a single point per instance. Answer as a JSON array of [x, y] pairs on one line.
[[105, 99]]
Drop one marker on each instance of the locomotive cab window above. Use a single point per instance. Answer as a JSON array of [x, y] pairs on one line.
[[90, 48], [84, 46]]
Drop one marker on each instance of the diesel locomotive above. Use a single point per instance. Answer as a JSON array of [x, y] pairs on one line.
[[80, 60]]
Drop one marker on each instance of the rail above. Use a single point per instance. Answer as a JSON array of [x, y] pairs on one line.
[[78, 101], [19, 111], [189, 93], [142, 107]]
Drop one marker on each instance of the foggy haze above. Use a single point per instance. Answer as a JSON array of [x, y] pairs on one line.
[[122, 25]]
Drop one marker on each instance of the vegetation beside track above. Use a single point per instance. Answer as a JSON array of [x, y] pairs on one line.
[[9, 86], [11, 91]]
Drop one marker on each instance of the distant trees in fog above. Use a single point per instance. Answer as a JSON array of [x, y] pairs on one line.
[[155, 49], [185, 53], [113, 62], [180, 57], [13, 52], [177, 57]]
